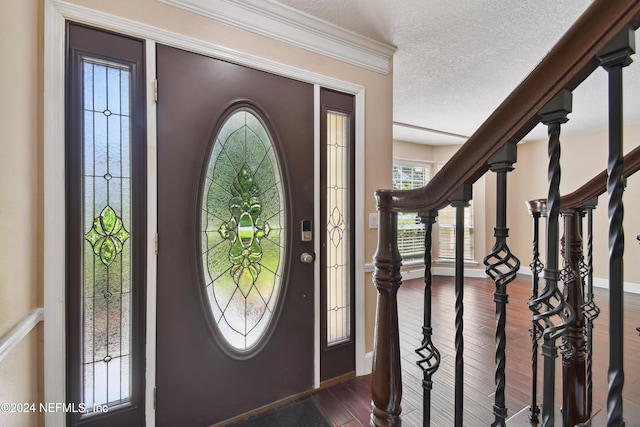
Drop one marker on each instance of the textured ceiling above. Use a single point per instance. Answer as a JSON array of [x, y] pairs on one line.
[[458, 60]]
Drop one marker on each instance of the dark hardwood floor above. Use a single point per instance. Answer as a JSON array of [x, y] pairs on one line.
[[347, 403]]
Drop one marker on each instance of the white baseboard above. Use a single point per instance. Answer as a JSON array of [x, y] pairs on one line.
[[369, 364], [450, 271], [598, 282], [409, 272]]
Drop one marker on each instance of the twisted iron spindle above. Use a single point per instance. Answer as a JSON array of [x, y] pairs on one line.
[[553, 115], [590, 309], [429, 355], [537, 208], [502, 266], [616, 55], [459, 200]]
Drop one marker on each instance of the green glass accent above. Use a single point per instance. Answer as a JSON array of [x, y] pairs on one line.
[[241, 229], [107, 236], [245, 229]]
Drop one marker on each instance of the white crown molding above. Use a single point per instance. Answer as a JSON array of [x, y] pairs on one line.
[[89, 16], [288, 25]]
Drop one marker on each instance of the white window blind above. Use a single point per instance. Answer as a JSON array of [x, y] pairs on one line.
[[410, 229], [447, 231]]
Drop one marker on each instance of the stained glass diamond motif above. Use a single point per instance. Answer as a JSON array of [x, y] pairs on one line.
[[107, 236], [107, 221]]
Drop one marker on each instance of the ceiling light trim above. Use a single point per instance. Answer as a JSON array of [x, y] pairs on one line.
[[288, 25]]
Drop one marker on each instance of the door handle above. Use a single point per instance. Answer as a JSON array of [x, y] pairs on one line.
[[307, 258]]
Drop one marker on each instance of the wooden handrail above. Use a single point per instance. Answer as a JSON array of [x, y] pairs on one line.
[[595, 187], [571, 61], [598, 184]]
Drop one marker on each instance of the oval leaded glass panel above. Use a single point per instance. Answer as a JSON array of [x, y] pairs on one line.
[[242, 230]]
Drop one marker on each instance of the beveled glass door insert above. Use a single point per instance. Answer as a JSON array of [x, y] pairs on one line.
[[107, 224], [338, 270], [242, 233]]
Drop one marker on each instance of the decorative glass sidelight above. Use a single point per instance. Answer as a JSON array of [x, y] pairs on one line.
[[338, 297], [242, 230], [106, 311]]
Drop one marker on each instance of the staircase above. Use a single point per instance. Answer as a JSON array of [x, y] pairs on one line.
[[562, 308]]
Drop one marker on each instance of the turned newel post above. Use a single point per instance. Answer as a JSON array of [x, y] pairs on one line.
[[574, 396], [386, 379]]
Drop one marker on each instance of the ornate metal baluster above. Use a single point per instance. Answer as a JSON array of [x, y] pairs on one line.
[[460, 199], [386, 375], [502, 266], [429, 355], [553, 115], [615, 56], [590, 309], [537, 208]]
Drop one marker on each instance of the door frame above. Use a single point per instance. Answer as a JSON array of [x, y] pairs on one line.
[[56, 13]]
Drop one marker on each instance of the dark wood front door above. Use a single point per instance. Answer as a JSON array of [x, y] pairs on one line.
[[235, 182]]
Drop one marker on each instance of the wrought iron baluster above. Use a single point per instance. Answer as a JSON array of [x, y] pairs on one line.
[[558, 314], [616, 55], [502, 266], [429, 355], [590, 310], [537, 208], [459, 200]]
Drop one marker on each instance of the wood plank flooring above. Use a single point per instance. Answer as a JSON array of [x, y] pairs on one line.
[[347, 403]]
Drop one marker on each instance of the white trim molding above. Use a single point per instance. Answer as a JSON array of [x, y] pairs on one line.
[[15, 335], [285, 24], [598, 282], [55, 219]]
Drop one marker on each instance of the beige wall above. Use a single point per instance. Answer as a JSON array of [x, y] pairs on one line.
[[19, 199], [582, 157]]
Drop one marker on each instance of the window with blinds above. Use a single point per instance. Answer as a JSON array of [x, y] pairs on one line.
[[410, 229], [447, 231]]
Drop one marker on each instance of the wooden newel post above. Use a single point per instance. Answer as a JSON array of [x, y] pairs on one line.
[[574, 366], [386, 378]]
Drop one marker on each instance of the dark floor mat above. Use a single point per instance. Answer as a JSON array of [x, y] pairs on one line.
[[299, 414]]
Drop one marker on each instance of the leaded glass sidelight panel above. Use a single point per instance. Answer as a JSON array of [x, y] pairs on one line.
[[242, 230], [107, 227], [338, 283]]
